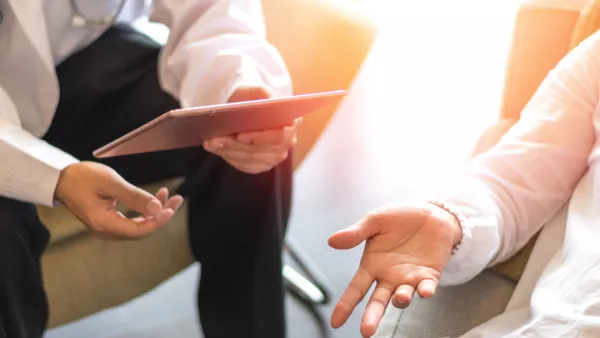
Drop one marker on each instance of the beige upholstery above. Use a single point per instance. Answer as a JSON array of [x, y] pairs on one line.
[[541, 37], [324, 45], [451, 312], [84, 274], [587, 24]]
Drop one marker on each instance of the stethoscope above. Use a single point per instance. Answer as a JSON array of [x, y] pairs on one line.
[[79, 20]]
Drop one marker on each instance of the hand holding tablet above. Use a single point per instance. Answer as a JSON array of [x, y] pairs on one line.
[[190, 127]]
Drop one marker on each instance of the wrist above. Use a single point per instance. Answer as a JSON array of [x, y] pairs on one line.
[[59, 191], [453, 220]]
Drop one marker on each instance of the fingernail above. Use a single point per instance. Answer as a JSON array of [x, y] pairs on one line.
[[154, 207], [179, 202], [218, 145], [213, 145], [164, 216]]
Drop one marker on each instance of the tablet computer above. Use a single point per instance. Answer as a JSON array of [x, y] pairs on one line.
[[181, 128]]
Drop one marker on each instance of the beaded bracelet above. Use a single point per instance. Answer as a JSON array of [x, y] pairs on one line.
[[459, 218]]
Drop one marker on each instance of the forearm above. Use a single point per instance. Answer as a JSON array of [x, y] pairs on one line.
[[510, 191], [29, 167]]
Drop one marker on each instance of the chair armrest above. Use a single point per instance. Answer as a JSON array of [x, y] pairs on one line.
[[324, 44], [541, 38]]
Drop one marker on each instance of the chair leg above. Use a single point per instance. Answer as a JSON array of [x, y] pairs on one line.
[[310, 288], [312, 285], [294, 287], [303, 287]]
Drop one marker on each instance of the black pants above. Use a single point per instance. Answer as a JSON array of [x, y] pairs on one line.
[[236, 220]]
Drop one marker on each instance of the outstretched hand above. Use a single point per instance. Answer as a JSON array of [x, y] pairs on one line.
[[406, 250], [91, 192]]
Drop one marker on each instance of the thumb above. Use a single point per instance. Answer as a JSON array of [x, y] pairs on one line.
[[353, 235], [251, 93], [133, 197]]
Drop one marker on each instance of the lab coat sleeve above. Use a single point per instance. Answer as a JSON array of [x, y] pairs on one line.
[[29, 167], [214, 47], [508, 193]]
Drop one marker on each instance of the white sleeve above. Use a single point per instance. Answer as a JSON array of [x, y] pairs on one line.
[[29, 167], [508, 193], [214, 47]]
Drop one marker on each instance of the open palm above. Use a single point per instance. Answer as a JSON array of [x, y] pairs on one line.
[[406, 250]]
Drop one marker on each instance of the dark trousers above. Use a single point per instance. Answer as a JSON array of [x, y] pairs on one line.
[[236, 220]]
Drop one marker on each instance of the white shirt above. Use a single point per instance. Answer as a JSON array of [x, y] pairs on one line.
[[65, 39], [221, 42], [550, 159]]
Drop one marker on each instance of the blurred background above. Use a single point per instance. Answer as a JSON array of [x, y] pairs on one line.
[[431, 84]]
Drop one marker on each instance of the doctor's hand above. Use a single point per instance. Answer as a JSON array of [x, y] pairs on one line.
[[406, 250], [258, 151], [91, 192]]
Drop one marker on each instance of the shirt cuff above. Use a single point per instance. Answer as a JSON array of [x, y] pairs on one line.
[[479, 244], [453, 272], [34, 166]]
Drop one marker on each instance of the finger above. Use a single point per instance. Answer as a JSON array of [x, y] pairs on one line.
[[354, 234], [131, 196], [250, 168], [279, 136], [233, 144], [375, 309], [427, 288], [214, 144], [174, 203], [162, 195], [251, 93], [270, 158], [112, 223], [403, 296], [108, 236], [354, 293], [138, 219], [219, 145]]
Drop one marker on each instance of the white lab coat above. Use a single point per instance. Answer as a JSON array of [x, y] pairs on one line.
[[216, 42]]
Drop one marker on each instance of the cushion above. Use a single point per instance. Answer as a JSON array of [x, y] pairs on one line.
[[452, 311], [84, 274], [514, 267], [588, 22]]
